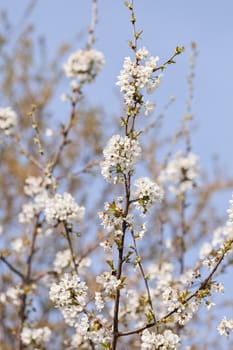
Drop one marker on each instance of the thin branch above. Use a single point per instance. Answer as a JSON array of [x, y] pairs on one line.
[[26, 281], [144, 276], [202, 286], [67, 232], [65, 132], [11, 267]]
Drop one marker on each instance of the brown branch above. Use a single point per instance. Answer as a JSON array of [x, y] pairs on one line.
[[144, 277], [65, 132], [26, 282], [11, 267], [67, 232]]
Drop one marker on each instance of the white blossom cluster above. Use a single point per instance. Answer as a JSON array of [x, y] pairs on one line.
[[8, 120], [120, 156], [166, 341], [12, 295], [109, 282], [171, 293], [84, 65], [35, 336], [95, 329], [135, 307], [99, 301], [19, 244], [182, 172], [81, 330], [147, 194], [172, 299], [63, 208], [225, 327], [63, 259], [230, 212], [209, 251], [69, 295], [35, 185], [36, 188], [112, 217], [136, 76]]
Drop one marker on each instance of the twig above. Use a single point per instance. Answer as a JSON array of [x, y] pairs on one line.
[[194, 294], [11, 267]]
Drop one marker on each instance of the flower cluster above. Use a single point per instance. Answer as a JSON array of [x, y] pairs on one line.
[[112, 217], [35, 336], [230, 212], [182, 172], [12, 294], [84, 65], [221, 242], [94, 329], [7, 120], [34, 187], [108, 281], [63, 208], [69, 295], [225, 327], [146, 194], [63, 259], [136, 76], [120, 156], [166, 341]]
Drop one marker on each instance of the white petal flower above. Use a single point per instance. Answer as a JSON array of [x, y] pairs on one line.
[[181, 172], [7, 120], [166, 341], [63, 208], [136, 76], [225, 327], [84, 65], [35, 336], [120, 156], [69, 295], [147, 194]]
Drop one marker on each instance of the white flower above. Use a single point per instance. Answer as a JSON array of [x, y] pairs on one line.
[[149, 107], [81, 328], [36, 188], [109, 282], [182, 172], [18, 244], [33, 208], [225, 327], [107, 246], [120, 156], [14, 294], [166, 341], [147, 194], [99, 302], [63, 208], [7, 120], [35, 336], [136, 76], [62, 260], [230, 213], [33, 186], [69, 295], [84, 65]]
